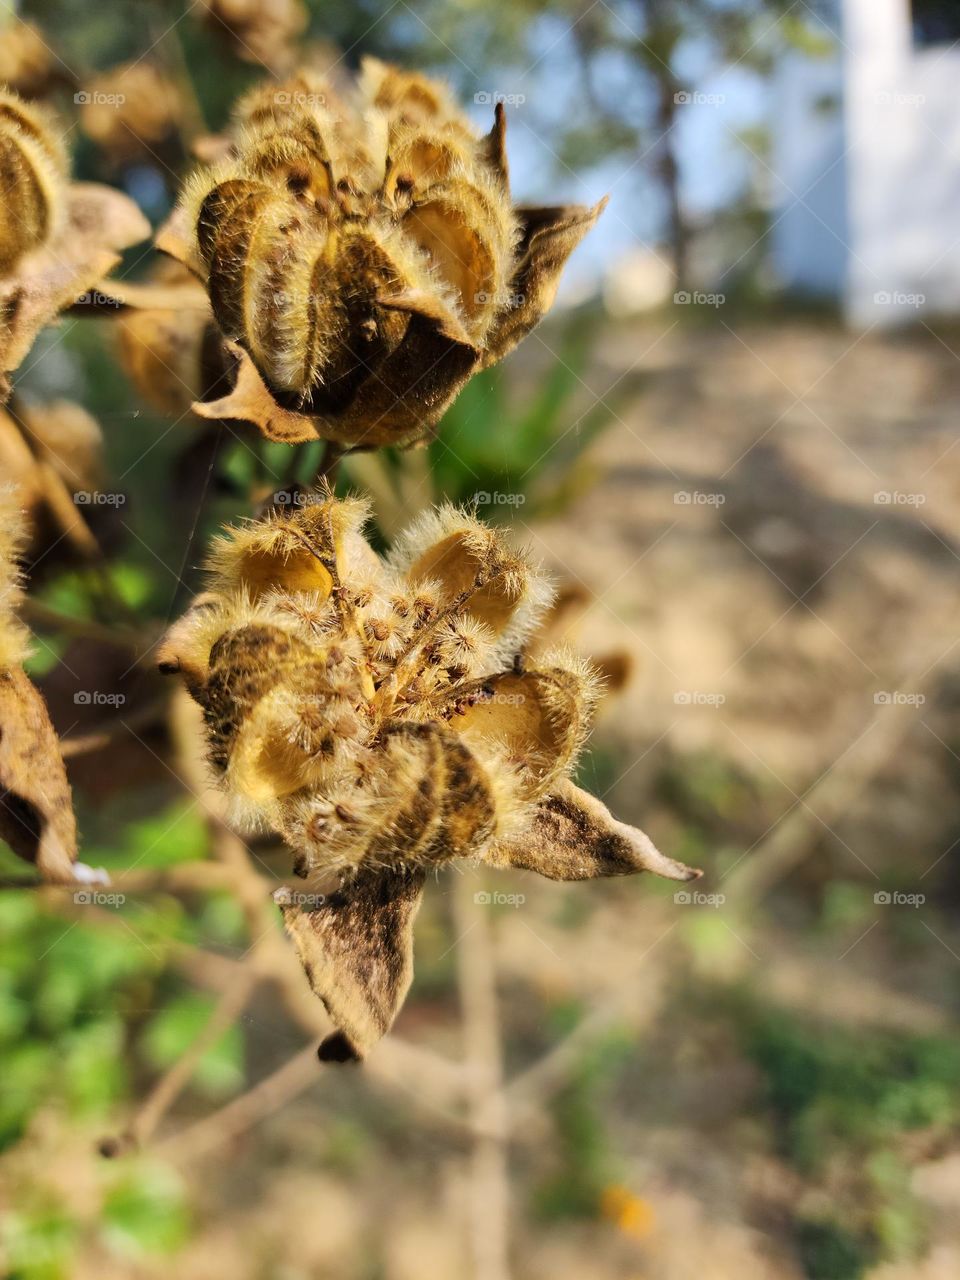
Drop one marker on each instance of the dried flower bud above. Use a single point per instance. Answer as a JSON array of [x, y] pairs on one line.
[[364, 252], [374, 711]]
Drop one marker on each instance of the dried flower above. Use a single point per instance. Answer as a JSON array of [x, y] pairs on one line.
[[57, 238], [364, 253], [377, 714]]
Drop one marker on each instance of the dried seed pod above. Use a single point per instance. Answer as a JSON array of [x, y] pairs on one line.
[[33, 173], [364, 252], [27, 63], [131, 110], [376, 714], [259, 30]]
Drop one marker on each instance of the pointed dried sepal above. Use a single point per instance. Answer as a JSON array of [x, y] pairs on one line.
[[250, 401], [574, 836], [356, 948], [549, 236]]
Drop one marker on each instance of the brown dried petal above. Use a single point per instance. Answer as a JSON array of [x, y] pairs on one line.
[[549, 236], [36, 809], [575, 837], [357, 950]]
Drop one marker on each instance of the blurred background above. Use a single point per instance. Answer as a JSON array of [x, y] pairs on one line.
[[734, 442]]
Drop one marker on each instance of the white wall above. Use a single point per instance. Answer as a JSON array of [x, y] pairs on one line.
[[878, 224]]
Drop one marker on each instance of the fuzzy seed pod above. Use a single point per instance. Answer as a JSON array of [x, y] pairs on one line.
[[376, 712], [27, 63], [33, 174], [363, 251]]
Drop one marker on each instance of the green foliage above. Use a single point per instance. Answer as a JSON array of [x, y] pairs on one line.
[[169, 1033], [587, 1157], [843, 1099], [525, 455]]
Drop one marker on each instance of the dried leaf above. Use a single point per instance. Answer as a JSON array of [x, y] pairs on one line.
[[357, 950], [574, 836]]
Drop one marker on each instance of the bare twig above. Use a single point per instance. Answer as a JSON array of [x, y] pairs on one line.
[[489, 1198]]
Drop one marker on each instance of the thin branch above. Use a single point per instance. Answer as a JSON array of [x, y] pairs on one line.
[[489, 1197]]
